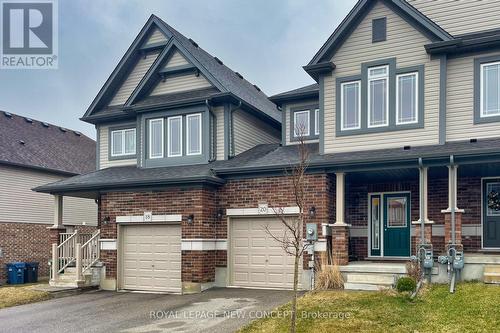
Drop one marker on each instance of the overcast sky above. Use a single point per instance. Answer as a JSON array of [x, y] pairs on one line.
[[268, 41]]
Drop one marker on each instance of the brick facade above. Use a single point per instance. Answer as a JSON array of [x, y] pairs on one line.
[[29, 242]]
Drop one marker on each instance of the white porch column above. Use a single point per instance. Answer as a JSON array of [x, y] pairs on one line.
[[423, 196], [340, 199], [58, 211], [452, 187]]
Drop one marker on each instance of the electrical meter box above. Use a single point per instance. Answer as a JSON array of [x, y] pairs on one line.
[[311, 231], [428, 259], [458, 262]]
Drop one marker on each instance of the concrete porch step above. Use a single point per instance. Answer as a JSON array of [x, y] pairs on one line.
[[374, 267], [492, 274], [370, 278], [364, 286]]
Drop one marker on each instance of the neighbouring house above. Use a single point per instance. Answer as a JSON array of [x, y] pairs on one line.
[[403, 128], [33, 153]]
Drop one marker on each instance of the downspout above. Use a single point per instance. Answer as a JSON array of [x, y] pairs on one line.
[[214, 145], [231, 128]]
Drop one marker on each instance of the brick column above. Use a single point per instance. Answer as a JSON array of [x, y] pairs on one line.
[[458, 227], [54, 233], [340, 243]]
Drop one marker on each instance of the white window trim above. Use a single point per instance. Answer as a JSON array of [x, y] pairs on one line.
[[342, 114], [150, 121], [374, 78], [307, 133], [316, 121], [481, 90], [169, 154], [188, 134], [398, 121], [122, 139]]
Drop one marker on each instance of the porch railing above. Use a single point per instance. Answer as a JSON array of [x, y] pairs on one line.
[[65, 253], [81, 238], [90, 251]]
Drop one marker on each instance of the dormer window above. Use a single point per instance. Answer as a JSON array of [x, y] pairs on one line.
[[123, 142]]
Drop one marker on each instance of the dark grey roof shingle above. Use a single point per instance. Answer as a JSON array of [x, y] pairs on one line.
[[41, 145], [311, 88]]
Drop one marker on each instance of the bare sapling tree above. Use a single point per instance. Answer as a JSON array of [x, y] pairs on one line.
[[291, 239]]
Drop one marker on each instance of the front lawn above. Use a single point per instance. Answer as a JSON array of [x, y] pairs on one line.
[[11, 295], [475, 307]]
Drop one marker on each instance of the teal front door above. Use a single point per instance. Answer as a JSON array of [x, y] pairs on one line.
[[397, 224]]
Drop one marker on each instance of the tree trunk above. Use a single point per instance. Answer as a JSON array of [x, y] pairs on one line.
[[294, 299]]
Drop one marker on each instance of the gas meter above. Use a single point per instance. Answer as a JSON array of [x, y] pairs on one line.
[[311, 231], [458, 261]]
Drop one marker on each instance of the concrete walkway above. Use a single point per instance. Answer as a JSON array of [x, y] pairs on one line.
[[216, 310]]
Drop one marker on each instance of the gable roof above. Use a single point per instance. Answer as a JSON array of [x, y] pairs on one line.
[[359, 11], [310, 91], [34, 144], [228, 81]]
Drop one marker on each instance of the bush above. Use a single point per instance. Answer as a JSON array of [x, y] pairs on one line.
[[406, 284], [328, 276]]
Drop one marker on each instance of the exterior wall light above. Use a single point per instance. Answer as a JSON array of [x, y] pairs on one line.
[[312, 211], [190, 219], [105, 220], [220, 213]]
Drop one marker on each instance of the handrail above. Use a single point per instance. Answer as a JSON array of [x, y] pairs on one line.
[[66, 252], [90, 251]]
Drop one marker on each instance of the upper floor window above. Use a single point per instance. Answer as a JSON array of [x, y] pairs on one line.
[[490, 89], [123, 142], [350, 104], [378, 96], [301, 123], [407, 101], [316, 121], [193, 135], [174, 136], [156, 138]]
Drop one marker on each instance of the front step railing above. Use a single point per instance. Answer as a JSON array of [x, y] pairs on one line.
[[71, 250]]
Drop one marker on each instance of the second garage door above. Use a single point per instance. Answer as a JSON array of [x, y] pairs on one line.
[[256, 259], [151, 258]]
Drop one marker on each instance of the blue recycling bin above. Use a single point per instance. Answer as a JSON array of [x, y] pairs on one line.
[[15, 272], [31, 272]]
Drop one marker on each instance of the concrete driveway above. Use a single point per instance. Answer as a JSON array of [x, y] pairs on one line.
[[216, 310]]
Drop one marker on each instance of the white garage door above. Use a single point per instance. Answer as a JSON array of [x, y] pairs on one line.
[[152, 258], [256, 259]]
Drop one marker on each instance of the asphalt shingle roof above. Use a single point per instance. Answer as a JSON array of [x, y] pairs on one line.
[[311, 88], [31, 143]]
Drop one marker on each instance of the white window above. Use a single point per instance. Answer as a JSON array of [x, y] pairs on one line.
[[123, 142], [490, 89], [378, 96], [301, 123], [174, 136], [193, 135], [407, 98], [316, 122], [350, 105], [156, 138]]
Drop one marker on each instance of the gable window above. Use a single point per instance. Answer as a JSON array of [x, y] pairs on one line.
[[406, 98], [174, 136], [156, 138], [378, 96], [316, 121], [193, 135], [490, 89], [123, 142], [350, 104], [301, 123]]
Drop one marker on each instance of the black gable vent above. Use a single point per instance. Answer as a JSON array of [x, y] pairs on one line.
[[473, 140], [77, 133], [63, 129], [44, 124], [193, 42], [7, 114], [218, 60], [239, 75], [28, 120], [256, 87], [406, 147]]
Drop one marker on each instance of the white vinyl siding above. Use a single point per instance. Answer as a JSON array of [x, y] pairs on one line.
[[406, 44], [123, 142], [180, 83], [156, 138], [156, 37], [176, 60], [460, 17], [133, 78], [490, 90], [104, 152], [350, 105], [301, 123], [19, 204], [407, 98], [460, 102], [193, 134], [174, 136], [250, 131], [378, 96]]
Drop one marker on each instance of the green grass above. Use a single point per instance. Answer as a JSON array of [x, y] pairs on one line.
[[474, 307], [12, 295]]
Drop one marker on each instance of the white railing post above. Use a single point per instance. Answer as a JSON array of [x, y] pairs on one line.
[[55, 262], [78, 262]]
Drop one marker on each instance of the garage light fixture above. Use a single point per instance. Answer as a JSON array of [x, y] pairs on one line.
[[190, 219], [312, 211], [106, 220], [220, 213]]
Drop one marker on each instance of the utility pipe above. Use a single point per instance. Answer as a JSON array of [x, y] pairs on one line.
[[421, 200], [453, 204], [231, 129]]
